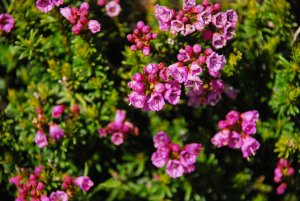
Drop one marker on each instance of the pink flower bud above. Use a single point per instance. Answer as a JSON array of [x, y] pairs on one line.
[[140, 25]]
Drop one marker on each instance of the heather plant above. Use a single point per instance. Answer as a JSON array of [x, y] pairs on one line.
[[178, 87]]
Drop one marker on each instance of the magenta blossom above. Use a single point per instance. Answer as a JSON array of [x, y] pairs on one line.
[[174, 168], [84, 182], [7, 22], [41, 139], [57, 2], [113, 9], [55, 131], [94, 26], [58, 196], [117, 138], [249, 146], [160, 157], [281, 189], [161, 139], [44, 5], [57, 111]]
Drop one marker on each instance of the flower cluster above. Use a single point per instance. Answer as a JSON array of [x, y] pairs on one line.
[[236, 132], [29, 186], [141, 38], [152, 87], [55, 131], [47, 5], [79, 18], [215, 25], [7, 22], [32, 187], [119, 128], [179, 160], [112, 8], [283, 169], [199, 70]]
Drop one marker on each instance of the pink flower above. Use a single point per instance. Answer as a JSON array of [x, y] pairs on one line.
[[232, 16], [174, 168], [187, 4], [84, 8], [58, 2], [58, 196], [235, 140], [38, 170], [188, 29], [232, 117], [84, 182], [204, 17], [137, 99], [223, 124], [250, 116], [173, 92], [41, 139], [16, 180], [221, 138], [156, 102], [67, 182], [164, 16], [161, 139], [55, 131], [44, 5], [215, 64], [177, 26], [101, 2], [189, 168], [278, 175], [77, 28], [249, 128], [218, 41], [7, 22], [187, 158], [281, 189], [193, 148], [94, 26], [57, 111], [229, 31], [249, 146], [113, 9], [117, 138], [119, 119], [160, 157], [219, 20], [136, 86], [44, 198], [151, 69], [179, 72], [67, 13]]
